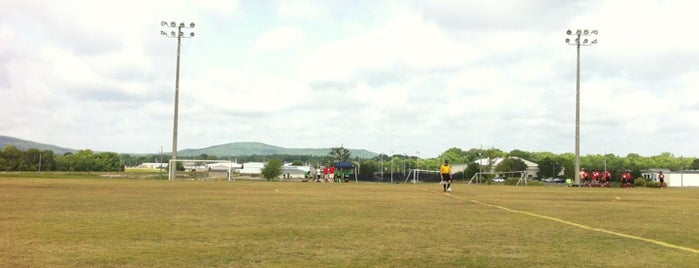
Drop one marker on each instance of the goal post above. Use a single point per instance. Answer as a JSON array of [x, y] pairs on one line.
[[522, 176], [191, 169], [421, 175]]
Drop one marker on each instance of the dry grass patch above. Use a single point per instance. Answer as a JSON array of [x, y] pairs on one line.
[[151, 223]]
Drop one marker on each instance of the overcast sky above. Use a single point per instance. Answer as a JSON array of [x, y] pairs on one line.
[[403, 77]]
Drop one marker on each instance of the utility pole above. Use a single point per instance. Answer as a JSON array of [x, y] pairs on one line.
[[577, 43], [179, 35]]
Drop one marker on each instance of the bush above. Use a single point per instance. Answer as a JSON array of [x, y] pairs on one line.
[[640, 182], [653, 184], [511, 181]]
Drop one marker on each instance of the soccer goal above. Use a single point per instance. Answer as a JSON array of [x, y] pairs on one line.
[[422, 175], [522, 176], [188, 169]]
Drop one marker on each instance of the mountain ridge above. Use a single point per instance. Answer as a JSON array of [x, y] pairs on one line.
[[258, 148], [220, 150], [24, 145]]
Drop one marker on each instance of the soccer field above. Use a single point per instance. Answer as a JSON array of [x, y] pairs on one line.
[[86, 222]]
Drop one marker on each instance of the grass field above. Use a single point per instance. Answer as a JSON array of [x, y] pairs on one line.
[[100, 222]]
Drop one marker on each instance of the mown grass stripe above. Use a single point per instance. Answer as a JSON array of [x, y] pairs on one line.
[[661, 243]]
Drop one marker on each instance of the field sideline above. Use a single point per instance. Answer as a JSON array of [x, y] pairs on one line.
[[100, 222]]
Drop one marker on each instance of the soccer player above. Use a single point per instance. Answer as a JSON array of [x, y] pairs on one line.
[[595, 178], [661, 178], [585, 177], [607, 178], [331, 174], [445, 175], [626, 179]]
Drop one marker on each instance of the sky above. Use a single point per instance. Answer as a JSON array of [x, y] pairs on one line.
[[392, 77]]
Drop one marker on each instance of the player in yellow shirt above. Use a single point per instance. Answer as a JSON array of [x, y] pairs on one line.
[[445, 175]]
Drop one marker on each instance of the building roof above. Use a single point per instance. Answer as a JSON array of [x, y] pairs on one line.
[[498, 160]]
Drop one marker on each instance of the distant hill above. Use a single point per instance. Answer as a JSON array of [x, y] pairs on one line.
[[26, 145], [230, 149], [257, 148]]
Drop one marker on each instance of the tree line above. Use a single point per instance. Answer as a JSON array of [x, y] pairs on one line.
[[14, 159], [550, 164]]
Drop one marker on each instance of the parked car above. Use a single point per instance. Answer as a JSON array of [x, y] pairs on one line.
[[498, 179]]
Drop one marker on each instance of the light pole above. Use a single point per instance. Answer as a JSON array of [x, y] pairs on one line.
[[179, 35], [392, 161], [577, 42], [381, 166]]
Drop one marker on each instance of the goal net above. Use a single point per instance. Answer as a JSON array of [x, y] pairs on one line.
[[188, 169], [422, 175], [482, 176]]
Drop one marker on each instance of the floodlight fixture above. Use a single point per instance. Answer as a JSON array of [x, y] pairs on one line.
[[578, 32], [569, 32], [594, 32], [586, 32], [191, 25], [163, 23], [173, 24]]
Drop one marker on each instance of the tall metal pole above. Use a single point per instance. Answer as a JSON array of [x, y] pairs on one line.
[[172, 166], [381, 166], [177, 103], [577, 114], [577, 43], [392, 162]]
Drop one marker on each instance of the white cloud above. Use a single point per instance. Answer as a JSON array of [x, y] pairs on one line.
[[388, 76], [279, 39], [300, 10]]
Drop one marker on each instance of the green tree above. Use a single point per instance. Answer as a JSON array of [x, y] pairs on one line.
[[454, 155], [12, 158], [272, 170], [471, 169], [511, 165], [108, 161], [548, 168], [521, 154], [367, 169], [339, 154], [695, 164]]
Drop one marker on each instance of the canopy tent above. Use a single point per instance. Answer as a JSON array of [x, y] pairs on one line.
[[346, 166]]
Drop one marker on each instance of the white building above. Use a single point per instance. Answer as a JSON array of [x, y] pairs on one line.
[[252, 168], [224, 166], [295, 172], [153, 165], [532, 168]]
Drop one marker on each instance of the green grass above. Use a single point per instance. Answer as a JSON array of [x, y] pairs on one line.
[[98, 222]]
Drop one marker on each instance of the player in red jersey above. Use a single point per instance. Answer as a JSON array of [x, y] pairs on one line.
[[626, 179], [595, 178], [607, 179]]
